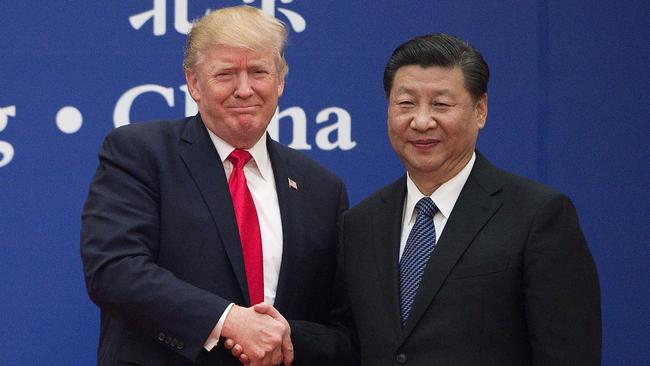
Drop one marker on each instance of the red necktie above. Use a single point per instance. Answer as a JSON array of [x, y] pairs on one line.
[[248, 224]]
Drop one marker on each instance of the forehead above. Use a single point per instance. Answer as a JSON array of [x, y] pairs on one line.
[[415, 78], [231, 55]]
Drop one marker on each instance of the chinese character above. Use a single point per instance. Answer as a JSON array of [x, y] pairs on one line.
[[296, 21], [6, 150], [158, 14]]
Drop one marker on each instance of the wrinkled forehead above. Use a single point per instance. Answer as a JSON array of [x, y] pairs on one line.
[[238, 55]]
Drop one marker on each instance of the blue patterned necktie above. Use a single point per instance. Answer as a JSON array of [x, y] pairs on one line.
[[419, 245]]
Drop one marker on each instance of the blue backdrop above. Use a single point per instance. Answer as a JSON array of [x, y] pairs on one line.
[[569, 104]]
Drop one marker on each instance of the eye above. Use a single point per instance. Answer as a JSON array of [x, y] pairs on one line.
[[223, 75], [260, 72], [405, 103], [441, 106]]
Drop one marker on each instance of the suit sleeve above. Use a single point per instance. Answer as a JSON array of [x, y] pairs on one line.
[[119, 245], [333, 343], [562, 295]]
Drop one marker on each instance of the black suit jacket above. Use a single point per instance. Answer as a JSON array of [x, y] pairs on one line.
[[160, 245], [510, 282]]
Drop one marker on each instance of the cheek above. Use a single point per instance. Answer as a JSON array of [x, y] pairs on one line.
[[462, 136], [393, 132], [400, 126], [455, 125], [266, 88], [218, 91], [398, 123], [397, 138], [395, 142]]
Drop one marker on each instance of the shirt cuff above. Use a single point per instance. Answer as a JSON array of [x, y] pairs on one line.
[[213, 339]]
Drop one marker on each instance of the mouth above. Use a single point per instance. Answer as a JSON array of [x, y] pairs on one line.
[[424, 143], [244, 108]]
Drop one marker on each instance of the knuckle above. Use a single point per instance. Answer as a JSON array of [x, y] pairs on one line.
[[257, 354], [276, 339], [268, 348]]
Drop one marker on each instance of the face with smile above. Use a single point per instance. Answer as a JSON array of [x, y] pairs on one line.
[[433, 123], [237, 92]]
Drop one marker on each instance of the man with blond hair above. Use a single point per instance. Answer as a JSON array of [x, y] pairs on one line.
[[190, 223]]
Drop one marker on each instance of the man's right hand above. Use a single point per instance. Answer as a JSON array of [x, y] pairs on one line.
[[287, 345], [259, 335]]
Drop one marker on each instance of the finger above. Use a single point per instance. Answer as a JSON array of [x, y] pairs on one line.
[[264, 361], [287, 351], [244, 359], [237, 350], [276, 356], [229, 343]]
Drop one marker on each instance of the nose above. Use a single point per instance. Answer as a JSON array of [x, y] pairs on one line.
[[423, 119], [243, 87]]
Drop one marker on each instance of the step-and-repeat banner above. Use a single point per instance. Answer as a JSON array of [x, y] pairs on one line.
[[568, 103]]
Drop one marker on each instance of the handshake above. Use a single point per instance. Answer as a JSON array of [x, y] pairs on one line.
[[258, 335]]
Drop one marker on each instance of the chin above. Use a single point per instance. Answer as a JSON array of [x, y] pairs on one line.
[[426, 167], [246, 120], [251, 135]]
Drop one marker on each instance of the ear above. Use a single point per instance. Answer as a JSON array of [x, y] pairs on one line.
[[192, 85], [481, 110], [280, 87]]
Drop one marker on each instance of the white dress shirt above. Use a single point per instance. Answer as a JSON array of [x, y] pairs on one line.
[[261, 183], [444, 198]]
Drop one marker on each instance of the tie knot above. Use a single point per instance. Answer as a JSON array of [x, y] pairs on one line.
[[239, 158], [426, 207]]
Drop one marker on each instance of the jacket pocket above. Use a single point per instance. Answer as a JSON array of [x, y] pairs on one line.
[[479, 269]]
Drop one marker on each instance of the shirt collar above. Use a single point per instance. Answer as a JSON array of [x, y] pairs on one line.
[[259, 152], [444, 197]]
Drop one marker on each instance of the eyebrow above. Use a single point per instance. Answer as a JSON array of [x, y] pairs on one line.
[[261, 63], [221, 66], [225, 65], [408, 90]]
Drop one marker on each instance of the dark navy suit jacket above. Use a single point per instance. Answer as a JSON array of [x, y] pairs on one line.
[[161, 251], [511, 282]]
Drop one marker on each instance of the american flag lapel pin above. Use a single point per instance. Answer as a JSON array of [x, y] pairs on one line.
[[292, 184]]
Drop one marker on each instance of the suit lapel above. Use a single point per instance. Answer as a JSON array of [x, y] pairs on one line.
[[475, 206], [386, 233], [203, 162], [290, 205]]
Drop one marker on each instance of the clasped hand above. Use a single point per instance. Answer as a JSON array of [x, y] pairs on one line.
[[258, 336]]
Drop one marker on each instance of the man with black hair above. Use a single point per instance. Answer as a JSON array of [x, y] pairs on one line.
[[457, 262]]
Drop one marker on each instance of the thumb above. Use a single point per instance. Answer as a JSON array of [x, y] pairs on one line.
[[263, 308], [269, 310]]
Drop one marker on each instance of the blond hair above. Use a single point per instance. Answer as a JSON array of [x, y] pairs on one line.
[[238, 26]]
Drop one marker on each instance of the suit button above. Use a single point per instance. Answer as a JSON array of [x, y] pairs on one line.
[[161, 337], [401, 358], [180, 345], [168, 339], [174, 342]]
